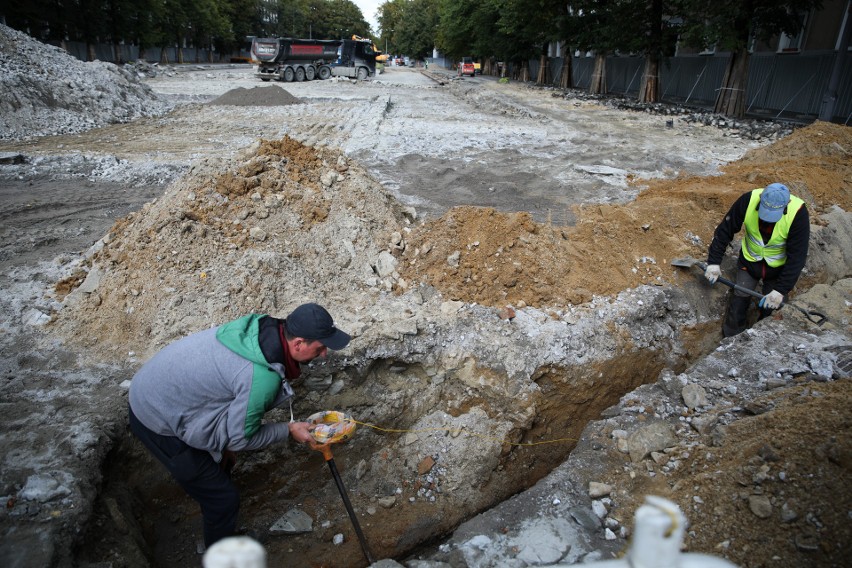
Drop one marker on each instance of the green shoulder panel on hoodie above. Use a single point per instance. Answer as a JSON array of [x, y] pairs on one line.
[[241, 337]]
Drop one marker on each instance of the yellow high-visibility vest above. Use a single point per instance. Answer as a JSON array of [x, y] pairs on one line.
[[773, 252]]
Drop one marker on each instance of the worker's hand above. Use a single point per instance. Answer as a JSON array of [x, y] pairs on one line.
[[771, 301], [712, 273], [301, 432]]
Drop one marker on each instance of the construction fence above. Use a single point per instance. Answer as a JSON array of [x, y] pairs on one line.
[[780, 86]]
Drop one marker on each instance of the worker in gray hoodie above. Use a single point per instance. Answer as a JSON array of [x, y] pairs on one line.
[[203, 398]]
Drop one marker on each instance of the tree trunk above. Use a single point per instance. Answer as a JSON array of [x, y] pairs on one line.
[[566, 80], [524, 73], [91, 55], [543, 71], [649, 92], [732, 94], [164, 56], [598, 84]]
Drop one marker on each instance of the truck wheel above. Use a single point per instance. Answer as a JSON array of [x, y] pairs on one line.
[[289, 74], [362, 74], [324, 72], [300, 74], [265, 79], [310, 73]]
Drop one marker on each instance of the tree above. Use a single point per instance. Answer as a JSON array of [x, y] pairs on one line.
[[416, 29], [732, 25]]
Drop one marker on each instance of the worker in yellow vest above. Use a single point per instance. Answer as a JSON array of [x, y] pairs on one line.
[[774, 249]]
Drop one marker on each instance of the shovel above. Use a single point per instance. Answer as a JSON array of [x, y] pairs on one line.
[[688, 262]]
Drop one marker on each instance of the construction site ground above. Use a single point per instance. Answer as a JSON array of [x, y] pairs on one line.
[[502, 257]]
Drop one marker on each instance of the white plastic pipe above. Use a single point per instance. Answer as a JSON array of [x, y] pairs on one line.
[[235, 552], [657, 539]]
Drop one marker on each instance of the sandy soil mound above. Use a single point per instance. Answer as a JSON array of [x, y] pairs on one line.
[[48, 92], [283, 225], [258, 96], [496, 259]]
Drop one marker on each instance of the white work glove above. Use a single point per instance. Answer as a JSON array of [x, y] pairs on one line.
[[712, 273], [771, 301]]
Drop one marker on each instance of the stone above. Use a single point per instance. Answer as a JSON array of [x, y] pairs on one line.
[[599, 489], [760, 505], [654, 437], [294, 521], [386, 264], [694, 396], [585, 518], [425, 465], [387, 502]]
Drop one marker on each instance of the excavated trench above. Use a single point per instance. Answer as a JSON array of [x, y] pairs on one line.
[[452, 437]]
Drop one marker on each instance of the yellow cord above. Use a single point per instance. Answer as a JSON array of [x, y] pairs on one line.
[[462, 431]]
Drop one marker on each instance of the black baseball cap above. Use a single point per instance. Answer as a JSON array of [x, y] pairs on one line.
[[312, 321]]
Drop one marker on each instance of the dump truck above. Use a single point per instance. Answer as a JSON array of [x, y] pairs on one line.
[[290, 59]]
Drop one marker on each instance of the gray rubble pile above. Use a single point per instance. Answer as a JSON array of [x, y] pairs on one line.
[[47, 92], [746, 128]]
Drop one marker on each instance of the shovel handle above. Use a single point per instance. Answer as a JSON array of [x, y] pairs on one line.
[[814, 317]]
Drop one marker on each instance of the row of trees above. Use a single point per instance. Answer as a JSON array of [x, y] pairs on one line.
[[218, 25], [515, 31], [518, 31]]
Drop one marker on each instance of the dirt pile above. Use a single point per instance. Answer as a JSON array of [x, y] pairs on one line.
[[282, 225], [496, 259], [48, 92], [258, 96]]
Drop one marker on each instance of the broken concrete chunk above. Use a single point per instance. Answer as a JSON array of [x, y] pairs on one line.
[[694, 396], [294, 521], [386, 264], [453, 259], [599, 489], [654, 437]]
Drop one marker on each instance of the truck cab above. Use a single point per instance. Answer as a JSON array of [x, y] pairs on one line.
[[466, 67]]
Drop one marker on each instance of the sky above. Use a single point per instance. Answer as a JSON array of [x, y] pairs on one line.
[[369, 8]]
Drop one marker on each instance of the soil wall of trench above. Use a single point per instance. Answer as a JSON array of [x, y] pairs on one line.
[[484, 343]]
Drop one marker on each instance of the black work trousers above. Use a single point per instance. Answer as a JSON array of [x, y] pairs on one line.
[[200, 476], [737, 319]]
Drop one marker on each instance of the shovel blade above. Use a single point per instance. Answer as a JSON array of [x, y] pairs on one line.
[[687, 262]]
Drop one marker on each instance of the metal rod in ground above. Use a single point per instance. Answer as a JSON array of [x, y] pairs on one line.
[[349, 510]]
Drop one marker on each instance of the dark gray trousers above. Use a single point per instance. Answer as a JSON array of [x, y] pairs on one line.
[[200, 476]]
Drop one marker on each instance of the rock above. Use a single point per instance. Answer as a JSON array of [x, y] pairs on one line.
[[694, 396], [387, 502], [257, 234], [294, 521], [337, 539], [599, 509], [760, 505], [585, 518], [652, 438], [386, 264], [43, 487], [425, 465], [599, 489], [703, 424], [453, 259]]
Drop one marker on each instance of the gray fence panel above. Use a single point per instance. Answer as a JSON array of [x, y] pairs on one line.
[[789, 84], [583, 68], [624, 74]]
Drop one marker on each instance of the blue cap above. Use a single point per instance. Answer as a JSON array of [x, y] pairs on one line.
[[773, 200], [312, 321]]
